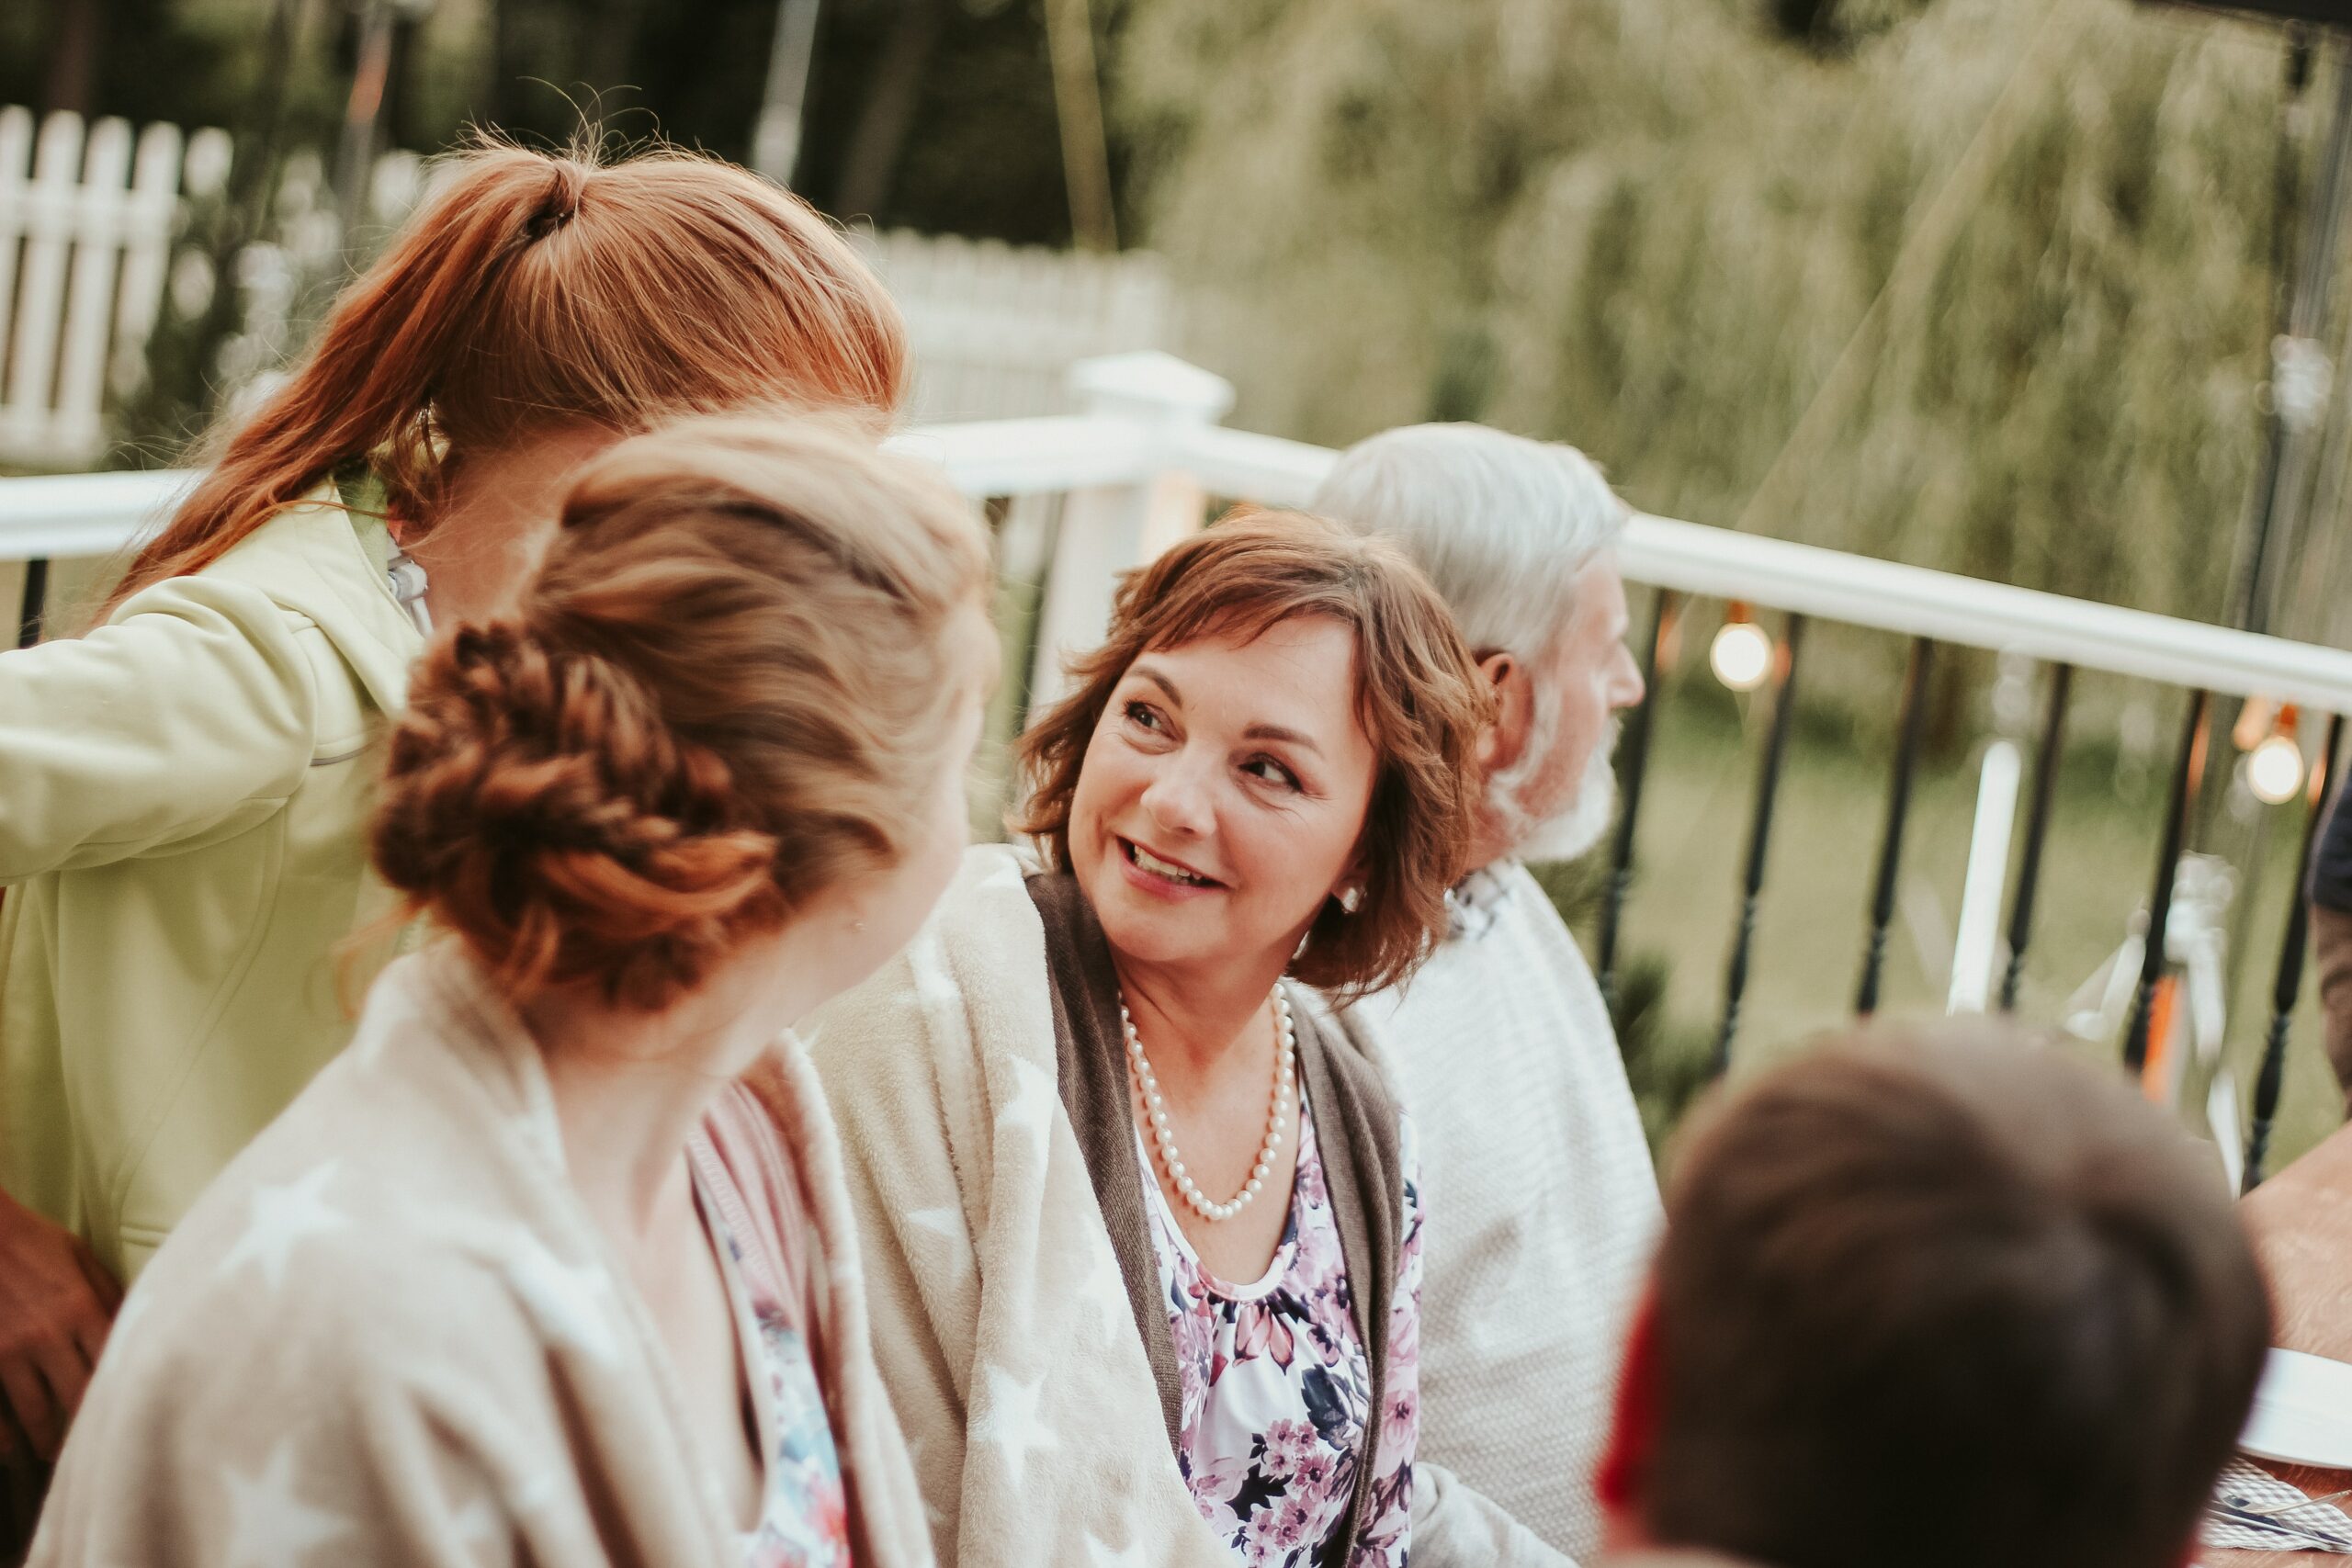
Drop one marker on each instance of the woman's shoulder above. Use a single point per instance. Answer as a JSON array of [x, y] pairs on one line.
[[977, 961]]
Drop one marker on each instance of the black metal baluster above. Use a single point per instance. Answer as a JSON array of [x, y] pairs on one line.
[[1898, 807], [2036, 828], [1759, 833], [36, 599], [1634, 762], [2290, 983], [2190, 764]]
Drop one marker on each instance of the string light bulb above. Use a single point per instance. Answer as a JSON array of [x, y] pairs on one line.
[[2274, 769], [1741, 655]]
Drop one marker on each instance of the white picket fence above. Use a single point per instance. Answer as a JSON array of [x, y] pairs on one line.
[[997, 327], [87, 215]]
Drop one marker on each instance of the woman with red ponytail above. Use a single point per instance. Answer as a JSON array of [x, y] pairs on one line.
[[554, 1264], [183, 789]]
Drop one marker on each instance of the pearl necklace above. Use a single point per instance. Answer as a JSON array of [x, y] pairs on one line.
[[1277, 1119]]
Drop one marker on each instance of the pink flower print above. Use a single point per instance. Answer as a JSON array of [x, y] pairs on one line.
[[1400, 1421], [1294, 1516], [1289, 1446], [1217, 1483], [1405, 1334], [1307, 1185], [1259, 1330], [1314, 1476]]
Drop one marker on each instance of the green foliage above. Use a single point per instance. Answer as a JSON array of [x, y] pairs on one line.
[[1652, 230]]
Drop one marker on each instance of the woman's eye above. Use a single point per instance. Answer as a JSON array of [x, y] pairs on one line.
[[1266, 770], [1142, 714]]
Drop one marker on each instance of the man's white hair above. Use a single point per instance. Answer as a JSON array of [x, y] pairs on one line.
[[1502, 524]]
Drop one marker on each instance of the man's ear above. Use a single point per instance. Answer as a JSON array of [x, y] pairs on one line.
[[1621, 1482], [1501, 743]]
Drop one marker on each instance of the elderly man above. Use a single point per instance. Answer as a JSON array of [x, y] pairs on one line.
[[1543, 1203]]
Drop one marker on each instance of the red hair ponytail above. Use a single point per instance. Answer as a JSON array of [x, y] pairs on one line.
[[533, 292]]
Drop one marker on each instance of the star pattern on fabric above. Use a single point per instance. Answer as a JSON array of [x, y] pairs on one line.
[[1030, 1106], [1105, 1294], [269, 1526], [947, 1223], [1132, 1555], [282, 1218], [1008, 1421], [568, 1302], [933, 1515]]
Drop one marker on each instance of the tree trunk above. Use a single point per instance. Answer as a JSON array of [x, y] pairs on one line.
[[881, 136], [70, 83]]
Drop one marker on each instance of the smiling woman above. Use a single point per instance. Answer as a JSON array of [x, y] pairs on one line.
[[1263, 782]]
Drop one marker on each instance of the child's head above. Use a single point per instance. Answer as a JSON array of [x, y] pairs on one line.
[[1940, 1298], [748, 674]]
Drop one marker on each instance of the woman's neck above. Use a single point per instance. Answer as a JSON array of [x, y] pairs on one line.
[[1192, 1016], [495, 518], [631, 1086]]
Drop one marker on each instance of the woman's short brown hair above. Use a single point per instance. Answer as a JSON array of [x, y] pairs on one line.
[[1418, 697], [729, 686]]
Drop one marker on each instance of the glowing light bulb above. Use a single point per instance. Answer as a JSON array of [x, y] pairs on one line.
[[1741, 655], [2274, 769]]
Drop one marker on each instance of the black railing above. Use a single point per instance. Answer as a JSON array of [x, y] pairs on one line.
[[2188, 769], [1632, 766], [34, 601], [1760, 838], [2037, 831], [1899, 808], [2287, 986], [1909, 742]]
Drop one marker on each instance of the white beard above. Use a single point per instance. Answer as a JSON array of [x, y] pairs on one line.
[[1569, 834]]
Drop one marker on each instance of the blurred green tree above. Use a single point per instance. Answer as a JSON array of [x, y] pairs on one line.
[[1659, 232]]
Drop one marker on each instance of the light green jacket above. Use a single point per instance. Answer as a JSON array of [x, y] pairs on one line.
[[183, 799]]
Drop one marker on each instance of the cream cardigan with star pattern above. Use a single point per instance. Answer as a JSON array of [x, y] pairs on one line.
[[390, 1335], [1002, 1319]]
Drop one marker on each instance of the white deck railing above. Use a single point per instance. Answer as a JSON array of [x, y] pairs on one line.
[[1137, 465]]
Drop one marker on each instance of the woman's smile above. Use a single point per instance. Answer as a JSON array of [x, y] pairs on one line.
[[1163, 876]]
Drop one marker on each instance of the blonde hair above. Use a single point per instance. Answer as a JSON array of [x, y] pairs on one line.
[[729, 686]]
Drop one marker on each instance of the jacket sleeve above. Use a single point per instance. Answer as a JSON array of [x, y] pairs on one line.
[[191, 716]]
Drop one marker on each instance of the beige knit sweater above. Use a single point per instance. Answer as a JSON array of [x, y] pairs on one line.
[[1543, 1206], [391, 1334]]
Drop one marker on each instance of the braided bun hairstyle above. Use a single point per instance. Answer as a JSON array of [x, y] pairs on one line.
[[728, 686]]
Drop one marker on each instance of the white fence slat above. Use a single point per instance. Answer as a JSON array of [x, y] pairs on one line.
[[101, 221], [15, 149], [41, 295], [147, 253], [995, 328]]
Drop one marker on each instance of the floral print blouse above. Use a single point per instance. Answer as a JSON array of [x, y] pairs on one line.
[[1276, 1380], [804, 1507]]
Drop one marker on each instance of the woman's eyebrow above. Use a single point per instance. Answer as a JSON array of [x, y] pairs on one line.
[[1276, 732], [1156, 678]]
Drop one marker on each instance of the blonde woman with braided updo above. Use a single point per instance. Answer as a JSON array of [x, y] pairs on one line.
[[554, 1264]]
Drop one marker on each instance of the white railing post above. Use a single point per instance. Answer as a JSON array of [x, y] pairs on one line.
[[1109, 528]]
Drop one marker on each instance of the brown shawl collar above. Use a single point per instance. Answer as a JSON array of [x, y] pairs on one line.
[[1355, 1128]]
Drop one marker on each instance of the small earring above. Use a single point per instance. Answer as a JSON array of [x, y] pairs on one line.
[[1350, 900], [857, 925]]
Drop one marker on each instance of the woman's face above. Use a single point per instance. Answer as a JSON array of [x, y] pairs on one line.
[[890, 906], [1223, 795]]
